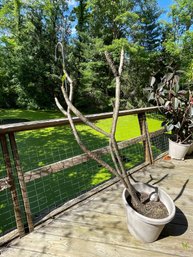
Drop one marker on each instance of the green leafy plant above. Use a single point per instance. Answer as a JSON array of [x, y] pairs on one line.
[[175, 104]]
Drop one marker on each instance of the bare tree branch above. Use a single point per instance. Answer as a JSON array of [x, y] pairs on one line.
[[68, 99], [80, 115], [121, 62], [119, 169], [111, 64], [84, 148], [112, 143]]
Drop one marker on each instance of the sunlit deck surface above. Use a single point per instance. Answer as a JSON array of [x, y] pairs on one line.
[[97, 226]]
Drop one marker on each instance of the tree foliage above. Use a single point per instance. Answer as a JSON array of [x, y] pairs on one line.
[[30, 30]]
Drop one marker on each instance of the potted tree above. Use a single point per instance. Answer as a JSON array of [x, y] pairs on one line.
[[176, 106], [140, 200]]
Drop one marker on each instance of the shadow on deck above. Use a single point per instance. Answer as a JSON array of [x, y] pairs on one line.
[[97, 226]]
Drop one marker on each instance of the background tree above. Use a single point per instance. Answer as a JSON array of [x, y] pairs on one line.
[[106, 24], [145, 59], [29, 31], [179, 37]]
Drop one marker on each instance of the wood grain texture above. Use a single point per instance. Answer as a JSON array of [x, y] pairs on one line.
[[97, 226]]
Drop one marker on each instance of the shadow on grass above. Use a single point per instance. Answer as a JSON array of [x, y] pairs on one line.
[[10, 121], [30, 115]]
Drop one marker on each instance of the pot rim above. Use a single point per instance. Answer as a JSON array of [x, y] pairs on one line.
[[152, 220], [179, 143]]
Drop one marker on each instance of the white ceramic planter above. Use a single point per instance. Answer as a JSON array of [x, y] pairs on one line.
[[178, 150], [141, 227]]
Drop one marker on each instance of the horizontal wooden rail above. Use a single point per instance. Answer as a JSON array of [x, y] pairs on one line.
[[23, 126]]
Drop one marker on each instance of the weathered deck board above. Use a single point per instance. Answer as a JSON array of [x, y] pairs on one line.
[[97, 227]]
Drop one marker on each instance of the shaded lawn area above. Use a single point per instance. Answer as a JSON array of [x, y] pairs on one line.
[[41, 147], [28, 115]]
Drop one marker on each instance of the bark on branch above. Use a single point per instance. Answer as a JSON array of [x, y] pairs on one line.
[[118, 169]]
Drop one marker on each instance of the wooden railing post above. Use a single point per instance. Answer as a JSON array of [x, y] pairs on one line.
[[15, 201], [147, 143], [21, 181]]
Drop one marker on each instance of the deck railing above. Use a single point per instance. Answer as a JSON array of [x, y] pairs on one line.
[[25, 188]]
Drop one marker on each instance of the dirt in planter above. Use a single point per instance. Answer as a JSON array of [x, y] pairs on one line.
[[153, 209]]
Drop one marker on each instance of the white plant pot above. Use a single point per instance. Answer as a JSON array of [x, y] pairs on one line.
[[141, 227], [178, 150]]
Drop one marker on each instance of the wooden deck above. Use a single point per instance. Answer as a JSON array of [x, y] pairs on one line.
[[97, 227]]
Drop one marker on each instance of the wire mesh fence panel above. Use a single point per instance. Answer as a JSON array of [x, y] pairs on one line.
[[159, 143], [132, 155], [56, 170], [7, 217], [2, 165], [41, 147], [53, 190]]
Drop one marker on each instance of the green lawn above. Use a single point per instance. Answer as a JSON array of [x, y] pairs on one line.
[[41, 147], [29, 114]]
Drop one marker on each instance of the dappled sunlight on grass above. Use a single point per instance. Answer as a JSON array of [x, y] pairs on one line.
[[101, 176], [51, 145]]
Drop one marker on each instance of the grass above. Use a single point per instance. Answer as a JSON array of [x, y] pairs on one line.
[[29, 114], [41, 147]]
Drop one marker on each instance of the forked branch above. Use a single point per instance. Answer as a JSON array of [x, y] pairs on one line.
[[118, 169]]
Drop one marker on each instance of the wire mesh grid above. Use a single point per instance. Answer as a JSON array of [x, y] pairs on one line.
[[7, 218], [159, 143], [47, 146]]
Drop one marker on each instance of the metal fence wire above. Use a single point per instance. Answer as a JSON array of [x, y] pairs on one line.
[[55, 170]]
